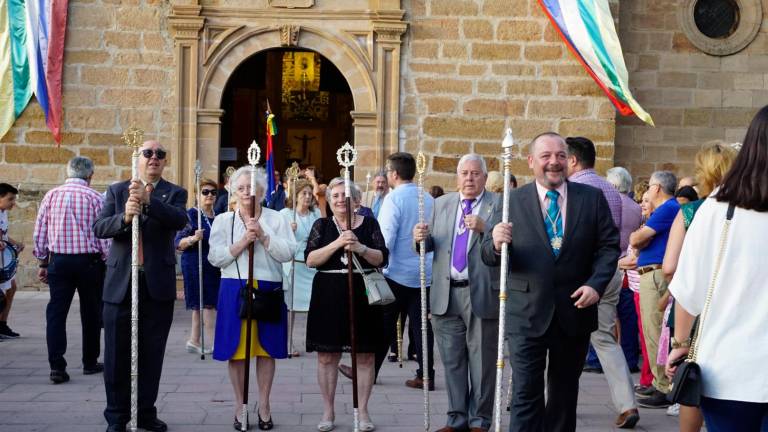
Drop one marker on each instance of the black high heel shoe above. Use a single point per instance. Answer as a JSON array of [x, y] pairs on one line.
[[265, 425], [238, 425]]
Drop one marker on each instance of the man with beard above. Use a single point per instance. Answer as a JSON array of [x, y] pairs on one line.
[[160, 206], [556, 276], [375, 198]]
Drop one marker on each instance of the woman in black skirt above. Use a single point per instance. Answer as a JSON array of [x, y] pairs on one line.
[[328, 320]]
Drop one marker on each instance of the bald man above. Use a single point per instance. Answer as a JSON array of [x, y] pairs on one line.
[[159, 205]]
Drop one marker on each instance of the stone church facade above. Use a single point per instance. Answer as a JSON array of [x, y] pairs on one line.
[[443, 76]]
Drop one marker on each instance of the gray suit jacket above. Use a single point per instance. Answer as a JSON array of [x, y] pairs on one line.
[[164, 216], [483, 280]]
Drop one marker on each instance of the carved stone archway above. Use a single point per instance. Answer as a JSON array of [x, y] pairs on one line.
[[212, 41]]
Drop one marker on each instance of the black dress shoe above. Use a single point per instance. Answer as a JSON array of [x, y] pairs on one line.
[[90, 370], [154, 425], [116, 428], [59, 376], [655, 400]]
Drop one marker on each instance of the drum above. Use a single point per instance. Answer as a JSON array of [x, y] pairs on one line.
[[9, 260]]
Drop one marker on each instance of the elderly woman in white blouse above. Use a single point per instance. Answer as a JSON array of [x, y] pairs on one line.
[[274, 244]]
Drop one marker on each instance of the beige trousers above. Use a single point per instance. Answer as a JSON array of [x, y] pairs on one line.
[[652, 288]]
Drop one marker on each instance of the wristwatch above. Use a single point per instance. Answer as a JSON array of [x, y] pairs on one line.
[[680, 344]]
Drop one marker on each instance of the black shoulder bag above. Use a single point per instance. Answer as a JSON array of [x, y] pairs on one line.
[[265, 305], [687, 382]]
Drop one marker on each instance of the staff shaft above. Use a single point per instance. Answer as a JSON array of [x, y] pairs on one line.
[[135, 239]]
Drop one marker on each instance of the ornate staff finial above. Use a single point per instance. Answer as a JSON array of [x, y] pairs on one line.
[[229, 171], [198, 169], [421, 163], [346, 155], [254, 154], [293, 171], [133, 137]]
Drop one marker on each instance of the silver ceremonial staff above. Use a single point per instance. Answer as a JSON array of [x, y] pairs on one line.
[[347, 156], [368, 201], [506, 156], [421, 165], [198, 171], [254, 154], [293, 175], [134, 137]]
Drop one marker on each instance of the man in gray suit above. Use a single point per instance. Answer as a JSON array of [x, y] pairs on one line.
[[464, 298], [563, 249]]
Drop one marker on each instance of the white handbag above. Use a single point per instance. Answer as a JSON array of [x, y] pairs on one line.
[[376, 287]]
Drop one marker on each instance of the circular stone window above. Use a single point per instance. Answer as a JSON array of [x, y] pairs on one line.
[[721, 27], [716, 19]]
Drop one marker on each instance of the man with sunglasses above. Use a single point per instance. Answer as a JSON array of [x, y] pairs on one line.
[[651, 241], [159, 205]]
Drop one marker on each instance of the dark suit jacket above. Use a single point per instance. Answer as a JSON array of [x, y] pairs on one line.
[[164, 216], [539, 286], [483, 281]]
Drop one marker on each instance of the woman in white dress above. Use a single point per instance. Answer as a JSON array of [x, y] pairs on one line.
[[300, 216]]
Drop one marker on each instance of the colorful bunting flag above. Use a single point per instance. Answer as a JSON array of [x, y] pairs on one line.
[[32, 36], [587, 28]]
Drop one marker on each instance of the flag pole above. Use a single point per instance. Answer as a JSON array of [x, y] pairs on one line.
[[293, 175], [506, 147], [346, 156], [254, 154], [198, 171], [134, 137]]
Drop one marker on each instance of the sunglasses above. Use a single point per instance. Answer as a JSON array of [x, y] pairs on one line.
[[147, 153], [207, 192]]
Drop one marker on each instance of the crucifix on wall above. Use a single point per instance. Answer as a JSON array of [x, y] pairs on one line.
[[304, 146]]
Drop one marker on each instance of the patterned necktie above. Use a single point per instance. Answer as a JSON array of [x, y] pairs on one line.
[[554, 222], [460, 246]]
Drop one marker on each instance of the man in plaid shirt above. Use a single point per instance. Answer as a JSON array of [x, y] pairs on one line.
[[71, 259]]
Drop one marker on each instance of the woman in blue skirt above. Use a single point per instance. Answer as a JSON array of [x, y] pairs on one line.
[[187, 241], [274, 244]]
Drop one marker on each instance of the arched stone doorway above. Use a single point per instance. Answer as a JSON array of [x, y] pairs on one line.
[[212, 41], [311, 101]]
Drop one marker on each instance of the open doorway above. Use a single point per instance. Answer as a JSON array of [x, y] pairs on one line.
[[311, 101]]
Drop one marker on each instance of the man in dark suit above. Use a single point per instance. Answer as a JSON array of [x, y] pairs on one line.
[[160, 207], [563, 249]]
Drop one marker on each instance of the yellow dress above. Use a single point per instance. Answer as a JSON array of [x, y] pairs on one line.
[[256, 348]]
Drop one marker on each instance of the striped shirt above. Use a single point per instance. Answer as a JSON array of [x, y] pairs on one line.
[[64, 221], [591, 178]]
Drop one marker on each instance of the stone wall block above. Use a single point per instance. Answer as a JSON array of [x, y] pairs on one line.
[[520, 30], [90, 118], [441, 29], [99, 156], [454, 8], [596, 131], [477, 29], [514, 69], [138, 18], [122, 40], [104, 76], [558, 108], [543, 53], [578, 88], [462, 127], [37, 154], [504, 107], [529, 87], [437, 85], [494, 52]]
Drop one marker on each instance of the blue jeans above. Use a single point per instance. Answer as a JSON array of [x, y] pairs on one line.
[[734, 416]]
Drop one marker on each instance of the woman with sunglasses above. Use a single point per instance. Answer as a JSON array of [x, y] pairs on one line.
[[187, 241]]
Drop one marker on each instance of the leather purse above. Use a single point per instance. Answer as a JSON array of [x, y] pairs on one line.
[[266, 306], [687, 383], [376, 287]]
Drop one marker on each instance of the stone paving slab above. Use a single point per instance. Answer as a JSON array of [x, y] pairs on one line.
[[195, 395]]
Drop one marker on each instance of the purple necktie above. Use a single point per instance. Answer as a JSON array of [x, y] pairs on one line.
[[460, 246]]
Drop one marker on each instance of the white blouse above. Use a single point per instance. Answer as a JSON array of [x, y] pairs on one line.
[[266, 262], [733, 347]]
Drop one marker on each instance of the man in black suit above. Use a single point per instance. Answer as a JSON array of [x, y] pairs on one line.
[[160, 206], [563, 249]]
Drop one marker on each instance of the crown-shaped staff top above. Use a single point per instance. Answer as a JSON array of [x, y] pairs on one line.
[[254, 154], [421, 163], [198, 168], [346, 155], [133, 137], [293, 171], [508, 141], [368, 177]]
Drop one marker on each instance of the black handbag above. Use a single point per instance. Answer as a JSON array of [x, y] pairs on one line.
[[265, 305], [687, 383]]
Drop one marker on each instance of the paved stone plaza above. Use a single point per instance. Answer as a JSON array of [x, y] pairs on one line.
[[196, 395]]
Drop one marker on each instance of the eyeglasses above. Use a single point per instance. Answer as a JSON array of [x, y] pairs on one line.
[[206, 192], [147, 153]]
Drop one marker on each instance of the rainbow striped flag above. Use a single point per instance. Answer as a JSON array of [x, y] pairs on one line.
[[587, 28], [270, 158], [32, 59]]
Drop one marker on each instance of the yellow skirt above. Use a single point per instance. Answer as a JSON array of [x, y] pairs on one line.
[[256, 348]]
